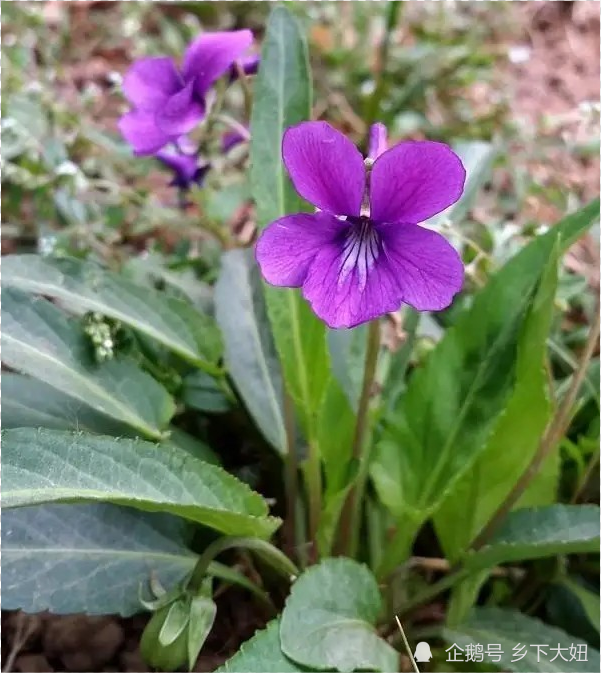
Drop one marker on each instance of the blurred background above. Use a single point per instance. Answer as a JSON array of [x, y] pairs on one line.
[[517, 83]]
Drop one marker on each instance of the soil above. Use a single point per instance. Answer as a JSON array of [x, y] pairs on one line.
[[558, 70]]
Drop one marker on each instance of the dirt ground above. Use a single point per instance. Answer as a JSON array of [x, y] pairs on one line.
[[555, 67]]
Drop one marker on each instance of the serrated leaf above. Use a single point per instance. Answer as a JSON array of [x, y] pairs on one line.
[[90, 558], [30, 403], [514, 440], [84, 286], [510, 629], [329, 620], [249, 351], [451, 405], [538, 532], [39, 340], [41, 466], [261, 654]]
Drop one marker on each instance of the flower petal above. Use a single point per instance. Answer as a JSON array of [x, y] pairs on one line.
[[347, 287], [211, 55], [325, 167], [140, 130], [287, 247], [150, 81], [413, 181], [180, 113], [378, 141], [428, 270]]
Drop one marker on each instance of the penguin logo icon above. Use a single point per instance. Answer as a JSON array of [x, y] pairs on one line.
[[422, 652]]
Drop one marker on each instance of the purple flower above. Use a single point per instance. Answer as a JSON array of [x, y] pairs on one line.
[[168, 102], [185, 167], [248, 64], [363, 254]]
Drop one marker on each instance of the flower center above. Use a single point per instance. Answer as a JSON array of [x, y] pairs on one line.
[[361, 248]]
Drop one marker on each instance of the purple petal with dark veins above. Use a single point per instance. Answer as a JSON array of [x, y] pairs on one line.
[[325, 167], [413, 181], [429, 271], [287, 247]]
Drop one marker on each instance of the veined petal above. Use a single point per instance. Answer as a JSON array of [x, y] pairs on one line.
[[428, 270], [150, 81], [180, 113], [325, 167], [351, 282], [287, 247], [140, 130], [413, 181], [211, 55]]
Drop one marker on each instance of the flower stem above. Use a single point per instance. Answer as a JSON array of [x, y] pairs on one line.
[[313, 483], [373, 105], [291, 478], [350, 520], [276, 559]]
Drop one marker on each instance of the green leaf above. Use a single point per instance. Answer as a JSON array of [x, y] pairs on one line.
[[30, 403], [90, 558], [43, 466], [452, 404], [37, 339], [511, 629], [329, 620], [282, 97], [589, 600], [347, 350], [84, 286], [201, 391], [538, 532], [249, 351], [477, 158], [514, 440], [261, 654]]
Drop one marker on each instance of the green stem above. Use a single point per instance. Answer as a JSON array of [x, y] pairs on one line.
[[276, 559], [312, 474], [373, 105], [291, 479], [350, 519]]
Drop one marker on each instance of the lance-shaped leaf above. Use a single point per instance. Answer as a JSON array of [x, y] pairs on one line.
[[41, 466], [94, 558], [283, 98], [91, 558], [538, 532], [515, 439], [249, 351], [84, 286], [39, 340], [452, 404], [517, 634]]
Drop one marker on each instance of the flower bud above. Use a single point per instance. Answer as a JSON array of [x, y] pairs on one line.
[[169, 657]]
